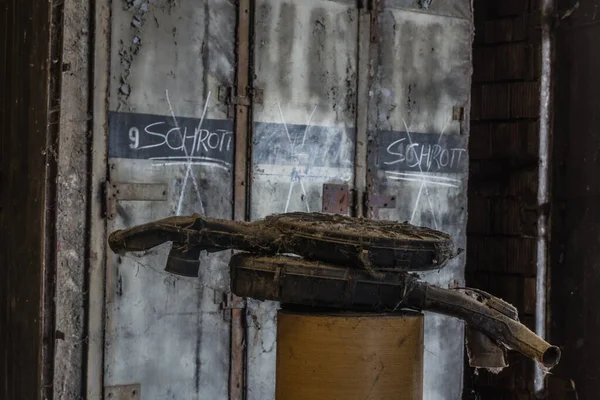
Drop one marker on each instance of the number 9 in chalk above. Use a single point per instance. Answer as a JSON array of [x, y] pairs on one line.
[[134, 136]]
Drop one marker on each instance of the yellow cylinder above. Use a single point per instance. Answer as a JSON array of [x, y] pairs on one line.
[[347, 356]]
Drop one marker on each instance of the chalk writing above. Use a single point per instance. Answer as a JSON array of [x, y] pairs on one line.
[[422, 152], [426, 155], [155, 137], [177, 138]]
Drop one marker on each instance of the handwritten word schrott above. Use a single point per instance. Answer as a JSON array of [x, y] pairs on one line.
[[160, 134], [424, 156]]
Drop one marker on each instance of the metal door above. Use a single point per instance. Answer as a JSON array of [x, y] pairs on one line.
[[305, 64], [170, 149], [372, 96], [417, 148]]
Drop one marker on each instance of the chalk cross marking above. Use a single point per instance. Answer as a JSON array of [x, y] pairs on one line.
[[296, 176], [423, 178], [189, 173]]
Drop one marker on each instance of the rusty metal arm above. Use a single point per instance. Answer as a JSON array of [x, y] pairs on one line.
[[193, 234], [363, 244], [204, 233], [483, 315]]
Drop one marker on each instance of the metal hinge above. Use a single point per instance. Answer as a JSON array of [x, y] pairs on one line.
[[337, 199], [375, 202], [117, 191], [227, 302], [458, 114], [227, 97]]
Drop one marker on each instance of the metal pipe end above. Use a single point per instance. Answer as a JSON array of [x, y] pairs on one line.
[[551, 357]]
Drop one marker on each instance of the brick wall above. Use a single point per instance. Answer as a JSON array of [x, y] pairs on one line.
[[503, 175]]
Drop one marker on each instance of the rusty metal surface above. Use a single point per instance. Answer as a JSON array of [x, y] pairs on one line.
[[378, 201], [297, 282], [336, 199], [237, 369], [352, 242], [575, 270]]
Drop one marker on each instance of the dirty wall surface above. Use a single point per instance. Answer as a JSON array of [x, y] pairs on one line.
[[169, 132], [418, 136], [305, 56]]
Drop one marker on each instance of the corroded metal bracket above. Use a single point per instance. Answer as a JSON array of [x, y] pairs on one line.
[[228, 302], [337, 199], [123, 392], [227, 97], [375, 202], [116, 191]]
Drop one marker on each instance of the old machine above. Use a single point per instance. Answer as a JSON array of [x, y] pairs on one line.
[[328, 271]]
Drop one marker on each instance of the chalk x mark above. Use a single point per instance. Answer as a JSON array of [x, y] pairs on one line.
[[296, 176], [308, 125], [189, 173], [423, 178], [285, 126]]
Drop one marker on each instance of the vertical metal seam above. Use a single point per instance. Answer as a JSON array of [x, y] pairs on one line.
[[240, 188], [373, 66], [543, 194], [98, 257], [362, 102]]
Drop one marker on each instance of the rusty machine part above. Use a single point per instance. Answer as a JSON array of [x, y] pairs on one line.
[[345, 263], [337, 239], [292, 280], [349, 355]]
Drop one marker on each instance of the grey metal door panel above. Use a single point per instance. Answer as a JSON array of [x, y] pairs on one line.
[[418, 148], [185, 46], [458, 9], [167, 126], [305, 64]]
